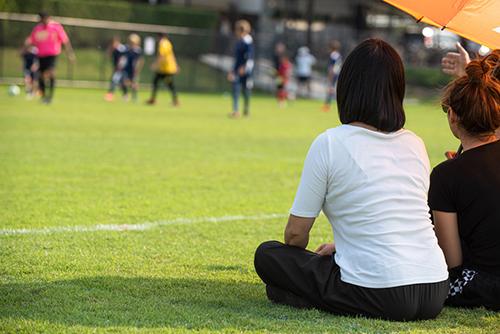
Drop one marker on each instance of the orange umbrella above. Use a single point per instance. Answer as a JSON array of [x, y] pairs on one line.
[[477, 20]]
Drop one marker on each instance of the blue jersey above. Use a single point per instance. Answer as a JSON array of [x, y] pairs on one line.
[[335, 63], [243, 55], [117, 53], [132, 55]]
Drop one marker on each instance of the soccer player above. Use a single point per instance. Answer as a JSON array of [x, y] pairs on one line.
[[334, 66], [241, 74], [166, 68], [133, 65], [117, 53], [304, 63], [30, 67], [47, 37], [283, 77]]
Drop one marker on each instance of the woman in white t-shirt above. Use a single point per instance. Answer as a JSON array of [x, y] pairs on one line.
[[370, 177]]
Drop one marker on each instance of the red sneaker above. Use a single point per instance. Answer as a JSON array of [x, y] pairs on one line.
[[109, 97]]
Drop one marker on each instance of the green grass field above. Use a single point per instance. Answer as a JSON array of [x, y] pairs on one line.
[[81, 162]]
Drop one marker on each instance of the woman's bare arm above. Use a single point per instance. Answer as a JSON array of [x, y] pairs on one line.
[[297, 231], [446, 228]]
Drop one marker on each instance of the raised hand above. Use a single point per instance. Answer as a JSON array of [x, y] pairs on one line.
[[454, 62]]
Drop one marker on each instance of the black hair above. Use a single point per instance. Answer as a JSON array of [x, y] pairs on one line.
[[371, 87]]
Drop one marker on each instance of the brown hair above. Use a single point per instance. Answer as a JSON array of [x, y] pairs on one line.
[[475, 97]]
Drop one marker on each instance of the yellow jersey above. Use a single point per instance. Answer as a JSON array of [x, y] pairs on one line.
[[167, 63]]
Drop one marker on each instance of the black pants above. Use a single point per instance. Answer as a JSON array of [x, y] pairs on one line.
[[169, 80], [301, 278], [473, 288]]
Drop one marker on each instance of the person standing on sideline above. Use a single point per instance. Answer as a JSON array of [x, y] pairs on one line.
[[303, 70], [117, 52], [241, 74], [334, 66], [47, 37], [133, 65], [166, 68]]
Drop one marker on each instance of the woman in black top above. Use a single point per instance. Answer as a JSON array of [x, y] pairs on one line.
[[464, 194]]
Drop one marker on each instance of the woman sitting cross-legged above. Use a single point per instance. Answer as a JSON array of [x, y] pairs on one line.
[[464, 194], [370, 177]]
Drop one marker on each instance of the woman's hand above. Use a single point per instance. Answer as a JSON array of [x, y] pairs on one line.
[[325, 249], [454, 62]]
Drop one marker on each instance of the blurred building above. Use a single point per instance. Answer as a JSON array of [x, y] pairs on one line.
[[316, 22]]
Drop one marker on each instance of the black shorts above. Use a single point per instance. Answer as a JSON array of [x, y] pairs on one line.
[[168, 77], [300, 278], [303, 79], [47, 63]]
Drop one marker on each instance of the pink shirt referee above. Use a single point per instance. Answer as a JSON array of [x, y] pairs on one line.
[[48, 36]]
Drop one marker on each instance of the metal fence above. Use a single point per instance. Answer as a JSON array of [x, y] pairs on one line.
[[202, 54]]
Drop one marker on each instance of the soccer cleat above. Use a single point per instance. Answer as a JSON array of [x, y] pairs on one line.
[[109, 97], [325, 108], [234, 114], [46, 100], [151, 102]]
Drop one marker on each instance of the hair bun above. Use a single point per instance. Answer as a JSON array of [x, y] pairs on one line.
[[476, 70]]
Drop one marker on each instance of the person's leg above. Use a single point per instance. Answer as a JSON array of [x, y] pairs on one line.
[[472, 288], [28, 86], [154, 91], [52, 84], [316, 280], [236, 94], [41, 75], [50, 78], [134, 87], [171, 86], [41, 84], [246, 84], [294, 276], [115, 80]]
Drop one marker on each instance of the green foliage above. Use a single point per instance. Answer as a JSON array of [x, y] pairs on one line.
[[83, 162], [426, 77], [116, 11]]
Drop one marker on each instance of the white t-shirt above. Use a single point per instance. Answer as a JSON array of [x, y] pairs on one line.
[[304, 64], [373, 189]]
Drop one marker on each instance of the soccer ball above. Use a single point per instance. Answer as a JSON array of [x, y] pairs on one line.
[[14, 90]]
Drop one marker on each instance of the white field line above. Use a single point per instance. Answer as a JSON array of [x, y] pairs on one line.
[[137, 227]]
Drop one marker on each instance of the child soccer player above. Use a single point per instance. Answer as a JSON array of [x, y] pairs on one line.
[[133, 66], [117, 53], [47, 37], [304, 63], [334, 65], [30, 68], [284, 72], [241, 74], [166, 68]]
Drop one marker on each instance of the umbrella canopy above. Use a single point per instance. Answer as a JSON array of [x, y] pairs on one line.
[[477, 20]]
